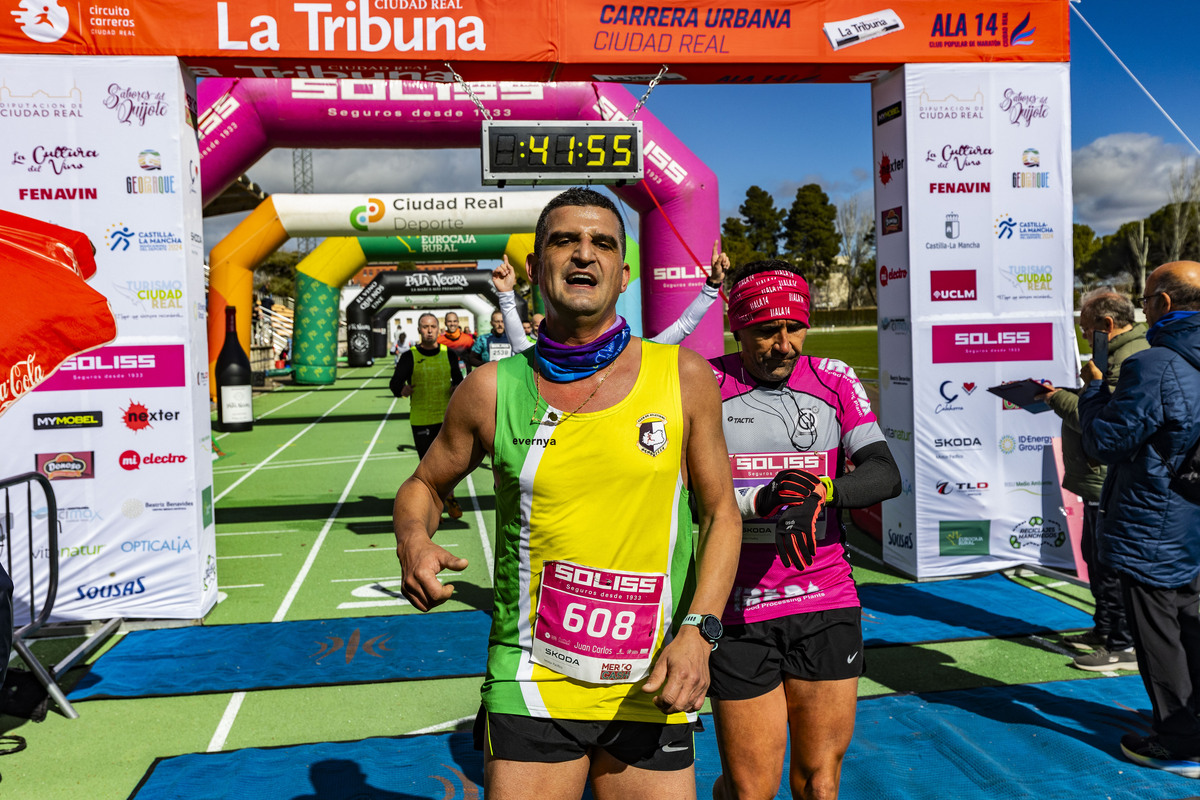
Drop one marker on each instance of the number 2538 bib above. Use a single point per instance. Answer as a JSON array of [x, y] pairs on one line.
[[597, 625]]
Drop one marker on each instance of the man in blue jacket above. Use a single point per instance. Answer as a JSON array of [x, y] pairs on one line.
[[1151, 534]]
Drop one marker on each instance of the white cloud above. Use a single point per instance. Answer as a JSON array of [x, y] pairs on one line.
[[1121, 177]]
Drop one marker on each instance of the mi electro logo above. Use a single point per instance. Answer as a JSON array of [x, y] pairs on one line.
[[68, 419]]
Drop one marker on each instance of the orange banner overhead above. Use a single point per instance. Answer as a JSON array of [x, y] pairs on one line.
[[707, 42]]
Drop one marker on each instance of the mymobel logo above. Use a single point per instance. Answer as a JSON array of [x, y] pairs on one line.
[[964, 537], [68, 419], [43, 21], [889, 113], [362, 216], [952, 284]]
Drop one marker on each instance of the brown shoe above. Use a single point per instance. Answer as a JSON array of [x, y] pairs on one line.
[[453, 508]]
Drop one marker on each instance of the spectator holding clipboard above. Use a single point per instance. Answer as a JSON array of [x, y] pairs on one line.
[[1108, 317]]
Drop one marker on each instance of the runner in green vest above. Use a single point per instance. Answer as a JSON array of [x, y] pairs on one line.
[[428, 374]]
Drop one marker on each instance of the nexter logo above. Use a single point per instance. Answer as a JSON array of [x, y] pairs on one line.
[[74, 419]]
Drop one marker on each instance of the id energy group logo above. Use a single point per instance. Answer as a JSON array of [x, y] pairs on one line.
[[362, 216]]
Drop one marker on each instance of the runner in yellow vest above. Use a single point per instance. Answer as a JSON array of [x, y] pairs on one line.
[[428, 374], [605, 601]]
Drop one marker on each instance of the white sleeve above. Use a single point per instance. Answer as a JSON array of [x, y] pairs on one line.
[[513, 329], [746, 495], [689, 319]]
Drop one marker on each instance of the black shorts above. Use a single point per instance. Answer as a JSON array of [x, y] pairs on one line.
[[645, 745], [818, 646], [423, 436]]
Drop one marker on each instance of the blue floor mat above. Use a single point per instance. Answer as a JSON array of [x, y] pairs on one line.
[[1033, 742], [992, 606], [272, 655], [229, 658]]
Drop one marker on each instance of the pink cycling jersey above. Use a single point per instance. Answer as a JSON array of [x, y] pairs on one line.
[[814, 421]]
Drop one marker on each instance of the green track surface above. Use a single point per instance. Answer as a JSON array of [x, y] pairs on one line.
[[303, 510]]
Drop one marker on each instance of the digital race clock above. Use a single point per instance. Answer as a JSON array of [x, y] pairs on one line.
[[561, 152]]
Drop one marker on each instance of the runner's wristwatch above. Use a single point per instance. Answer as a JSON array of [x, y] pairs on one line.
[[709, 626]]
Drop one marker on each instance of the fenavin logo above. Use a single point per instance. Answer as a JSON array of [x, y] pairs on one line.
[[68, 419], [362, 216]]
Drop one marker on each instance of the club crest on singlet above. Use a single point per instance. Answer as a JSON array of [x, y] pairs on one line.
[[806, 429], [652, 434]]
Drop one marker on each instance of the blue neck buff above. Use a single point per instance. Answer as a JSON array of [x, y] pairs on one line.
[[564, 363], [1170, 316]]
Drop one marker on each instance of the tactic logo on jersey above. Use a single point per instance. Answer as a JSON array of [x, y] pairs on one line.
[[652, 434]]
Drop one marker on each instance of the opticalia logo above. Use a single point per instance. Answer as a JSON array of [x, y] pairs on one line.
[[964, 537], [894, 324], [887, 167], [1037, 532], [137, 417], [959, 156], [889, 113], [952, 284], [886, 275], [892, 220], [362, 216], [957, 344], [68, 419], [60, 466], [93, 591], [1023, 108], [119, 367], [43, 21], [130, 460]]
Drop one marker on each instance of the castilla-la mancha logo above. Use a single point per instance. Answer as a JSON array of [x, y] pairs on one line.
[[43, 20]]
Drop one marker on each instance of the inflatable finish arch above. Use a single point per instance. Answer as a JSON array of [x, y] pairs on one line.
[[242, 119]]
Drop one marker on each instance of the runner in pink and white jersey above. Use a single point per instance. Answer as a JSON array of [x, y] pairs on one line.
[[792, 650]]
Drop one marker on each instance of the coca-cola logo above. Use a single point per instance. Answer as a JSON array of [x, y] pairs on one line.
[[22, 377], [59, 158]]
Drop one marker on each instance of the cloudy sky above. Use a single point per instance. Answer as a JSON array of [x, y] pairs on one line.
[[1124, 147]]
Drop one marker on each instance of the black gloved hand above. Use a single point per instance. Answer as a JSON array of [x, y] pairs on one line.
[[788, 487], [796, 532]]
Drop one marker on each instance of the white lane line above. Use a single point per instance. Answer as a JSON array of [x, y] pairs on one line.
[[223, 727], [260, 555], [372, 603], [1046, 644], [1043, 587], [483, 533], [283, 405], [314, 462], [257, 533], [243, 586], [367, 580], [441, 726], [287, 444], [383, 549], [235, 701]]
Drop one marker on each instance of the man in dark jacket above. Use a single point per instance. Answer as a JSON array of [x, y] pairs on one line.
[[1150, 533], [1110, 639]]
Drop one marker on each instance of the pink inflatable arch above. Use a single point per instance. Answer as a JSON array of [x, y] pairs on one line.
[[677, 203]]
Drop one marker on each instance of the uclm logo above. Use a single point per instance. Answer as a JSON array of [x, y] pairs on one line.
[[43, 21], [958, 344]]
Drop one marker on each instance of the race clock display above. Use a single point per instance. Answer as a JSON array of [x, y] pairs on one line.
[[561, 152]]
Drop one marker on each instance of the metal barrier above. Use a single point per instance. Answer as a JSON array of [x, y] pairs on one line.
[[39, 613]]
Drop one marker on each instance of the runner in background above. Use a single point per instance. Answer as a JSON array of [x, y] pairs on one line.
[[491, 346], [457, 339], [598, 654], [792, 653], [504, 278], [428, 373]]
